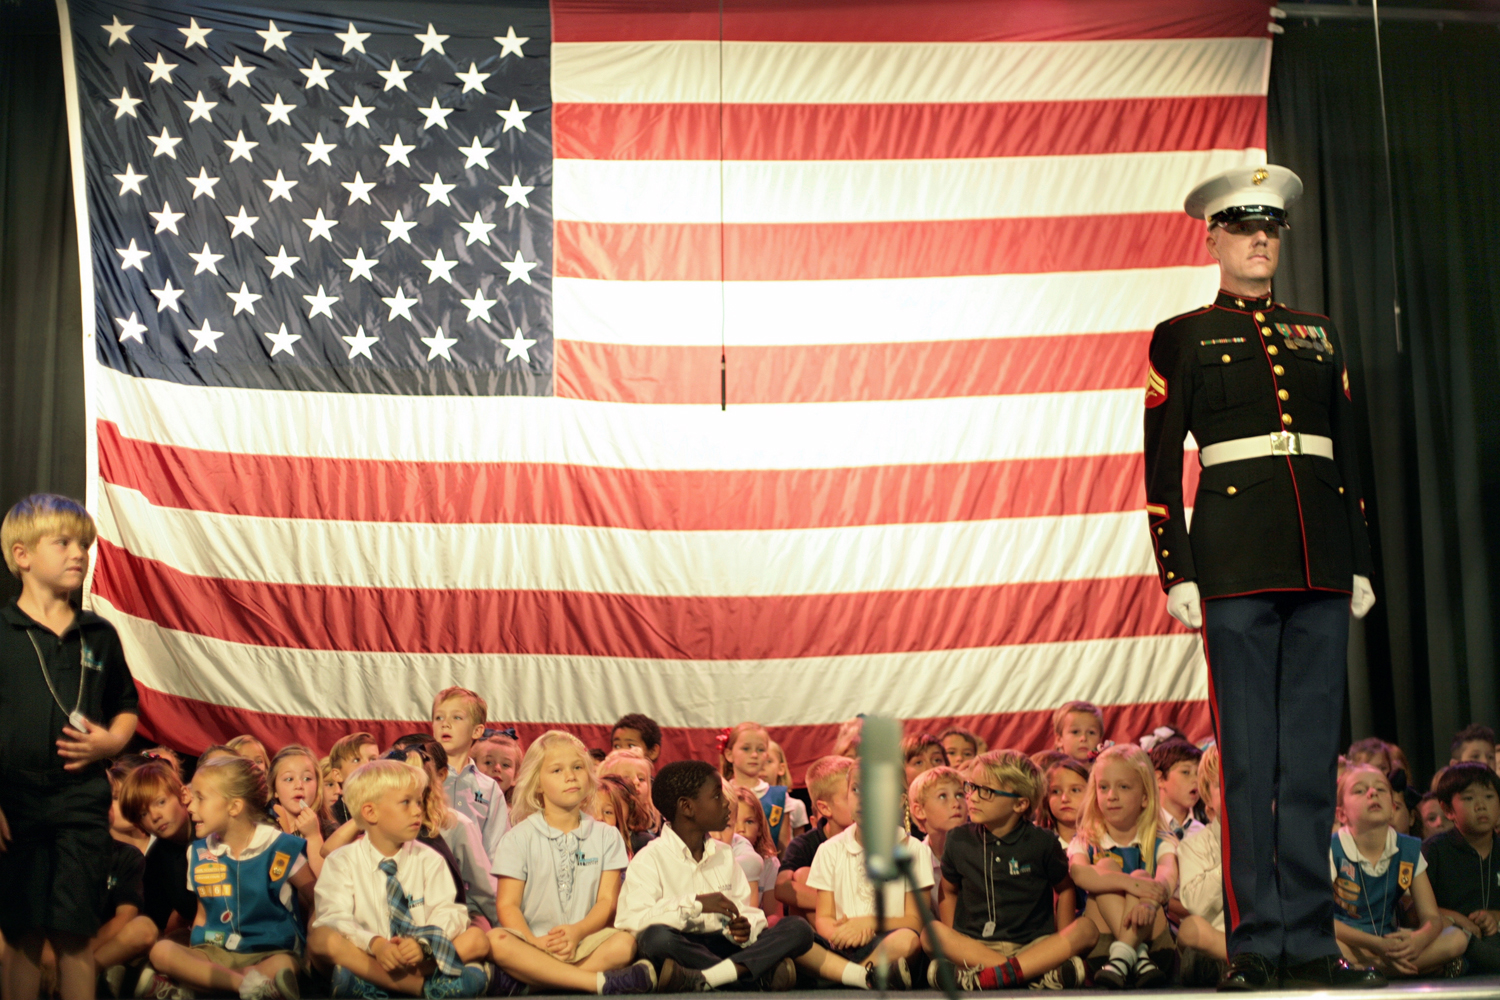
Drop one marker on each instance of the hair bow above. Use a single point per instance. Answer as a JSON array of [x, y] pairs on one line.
[[507, 731], [721, 741], [1158, 735]]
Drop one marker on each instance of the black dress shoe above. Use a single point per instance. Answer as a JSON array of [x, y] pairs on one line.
[[1330, 973], [1248, 972]]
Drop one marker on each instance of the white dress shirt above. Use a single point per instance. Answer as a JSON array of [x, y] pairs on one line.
[[1200, 874], [351, 892], [665, 882], [839, 868]]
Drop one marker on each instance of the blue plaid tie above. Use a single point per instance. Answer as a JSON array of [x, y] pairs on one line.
[[403, 926]]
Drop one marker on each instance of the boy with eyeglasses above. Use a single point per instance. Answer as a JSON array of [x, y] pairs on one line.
[[1006, 888]]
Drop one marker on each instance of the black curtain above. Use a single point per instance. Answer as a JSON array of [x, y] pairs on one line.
[[1423, 664]]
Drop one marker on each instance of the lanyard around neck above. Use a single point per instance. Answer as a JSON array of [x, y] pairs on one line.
[[47, 676]]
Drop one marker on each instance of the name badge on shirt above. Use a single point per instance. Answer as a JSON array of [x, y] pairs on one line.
[[232, 942], [579, 857]]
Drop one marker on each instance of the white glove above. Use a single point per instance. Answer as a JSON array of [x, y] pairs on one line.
[[1183, 604], [1363, 597]]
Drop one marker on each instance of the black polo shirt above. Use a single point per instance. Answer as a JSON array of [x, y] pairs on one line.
[[1461, 879], [31, 720], [126, 884], [803, 847], [165, 888], [1021, 872]]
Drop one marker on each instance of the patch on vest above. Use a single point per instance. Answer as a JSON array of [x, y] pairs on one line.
[[278, 865], [1405, 873], [210, 873]]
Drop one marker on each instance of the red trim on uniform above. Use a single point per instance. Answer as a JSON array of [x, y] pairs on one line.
[[1231, 901], [1282, 590]]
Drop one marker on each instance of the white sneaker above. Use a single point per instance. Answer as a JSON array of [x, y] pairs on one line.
[[257, 986]]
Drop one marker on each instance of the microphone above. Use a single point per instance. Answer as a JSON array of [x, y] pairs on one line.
[[882, 780]]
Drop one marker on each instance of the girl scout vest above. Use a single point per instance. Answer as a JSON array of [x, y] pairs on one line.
[[1367, 901], [1130, 857], [243, 900], [774, 803]]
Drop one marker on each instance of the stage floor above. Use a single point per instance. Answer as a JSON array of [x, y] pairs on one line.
[[1467, 988]]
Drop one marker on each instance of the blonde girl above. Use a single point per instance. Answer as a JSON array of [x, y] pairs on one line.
[[297, 800], [248, 746], [333, 785], [560, 873], [245, 940], [751, 825], [1125, 863], [744, 751]]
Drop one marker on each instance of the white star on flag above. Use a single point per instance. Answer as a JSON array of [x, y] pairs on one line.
[[282, 262], [437, 191], [132, 256], [479, 306], [125, 104], [353, 39], [280, 187], [511, 44], [473, 79], [432, 41], [320, 303], [316, 75], [359, 114], [161, 70], [166, 219], [207, 260], [516, 192], [130, 180], [395, 77], [239, 147], [360, 265], [282, 341], [132, 328], [518, 269], [439, 267], [435, 115], [475, 153], [244, 300], [400, 304], [201, 109], [514, 117], [396, 152], [359, 343], [202, 184], [164, 143], [205, 338], [518, 347], [398, 228], [238, 73], [359, 188], [244, 225], [280, 111], [274, 39], [318, 226], [117, 32], [478, 230], [167, 296], [318, 150], [438, 344], [195, 35]]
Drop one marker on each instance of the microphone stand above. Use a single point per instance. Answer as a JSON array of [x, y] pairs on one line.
[[947, 981]]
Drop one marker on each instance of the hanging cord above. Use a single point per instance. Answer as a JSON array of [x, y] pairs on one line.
[[1390, 183], [723, 306]]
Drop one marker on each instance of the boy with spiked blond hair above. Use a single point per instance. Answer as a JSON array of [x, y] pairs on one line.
[[458, 718]]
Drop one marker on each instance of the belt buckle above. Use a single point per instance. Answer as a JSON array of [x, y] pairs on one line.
[[1286, 443]]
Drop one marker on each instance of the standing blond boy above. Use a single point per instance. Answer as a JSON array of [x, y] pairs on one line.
[[458, 718]]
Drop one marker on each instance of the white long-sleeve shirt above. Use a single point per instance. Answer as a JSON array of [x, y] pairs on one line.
[[1200, 874], [351, 892], [664, 883]]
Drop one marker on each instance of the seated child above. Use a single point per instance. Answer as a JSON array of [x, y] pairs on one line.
[[297, 798], [249, 878], [1200, 891], [688, 902], [387, 914], [1000, 874], [638, 731], [760, 863], [1371, 750], [828, 784], [151, 797], [1461, 863], [611, 805], [125, 934], [333, 786], [499, 756], [1125, 863], [777, 773], [250, 748], [921, 752], [458, 716], [746, 751], [1067, 789], [960, 746], [348, 753], [560, 876], [1373, 868], [1474, 743], [1434, 818], [210, 752], [1078, 727], [629, 764], [1176, 763], [845, 917], [937, 806], [635, 817]]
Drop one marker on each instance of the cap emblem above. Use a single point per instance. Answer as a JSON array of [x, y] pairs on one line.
[[1260, 177]]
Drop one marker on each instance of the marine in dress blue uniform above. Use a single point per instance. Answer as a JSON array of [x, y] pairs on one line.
[[1277, 546]]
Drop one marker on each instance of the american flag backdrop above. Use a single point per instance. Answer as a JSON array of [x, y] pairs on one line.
[[775, 361]]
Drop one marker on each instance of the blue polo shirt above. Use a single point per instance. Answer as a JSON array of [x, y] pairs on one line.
[[561, 869]]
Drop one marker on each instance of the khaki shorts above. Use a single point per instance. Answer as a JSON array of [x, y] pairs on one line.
[[236, 960], [591, 944], [1007, 948]]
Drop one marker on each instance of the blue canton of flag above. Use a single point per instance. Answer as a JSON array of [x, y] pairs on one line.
[[322, 198]]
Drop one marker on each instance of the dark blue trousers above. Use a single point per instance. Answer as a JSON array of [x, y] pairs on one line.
[[1277, 667]]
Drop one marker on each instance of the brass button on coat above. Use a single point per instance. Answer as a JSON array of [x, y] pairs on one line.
[[1231, 491], [1286, 418], [1225, 359], [1279, 370], [1265, 331], [1283, 394], [1272, 350], [1260, 318]]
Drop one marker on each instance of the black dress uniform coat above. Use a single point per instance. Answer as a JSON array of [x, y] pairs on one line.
[[1244, 368]]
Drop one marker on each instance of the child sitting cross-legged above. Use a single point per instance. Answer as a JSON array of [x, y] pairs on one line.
[[1176, 763], [1067, 788], [249, 878], [937, 805], [828, 785], [1373, 867], [1461, 862], [1126, 864], [560, 880], [1005, 883], [1201, 945], [687, 900], [388, 919]]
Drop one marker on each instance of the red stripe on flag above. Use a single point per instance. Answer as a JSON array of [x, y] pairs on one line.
[[931, 21], [827, 373], [283, 486], [190, 725], [575, 623], [813, 251], [904, 131]]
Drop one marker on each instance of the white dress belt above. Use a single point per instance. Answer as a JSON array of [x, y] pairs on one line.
[[1266, 446]]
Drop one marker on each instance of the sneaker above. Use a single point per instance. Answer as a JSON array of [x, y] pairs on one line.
[[1113, 975], [257, 985], [780, 977], [901, 975], [1458, 967], [347, 986], [114, 979], [503, 984], [639, 977], [287, 986], [470, 982], [1148, 974], [675, 978], [145, 982], [1071, 975]]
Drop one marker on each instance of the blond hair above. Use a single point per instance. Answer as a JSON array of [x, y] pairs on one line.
[[239, 743], [527, 797], [289, 752], [850, 735], [733, 737], [782, 771], [1208, 771], [1091, 821], [437, 815], [1060, 717], [239, 778], [372, 780], [924, 782], [624, 753], [478, 710], [609, 766], [1013, 768], [762, 842], [39, 515], [826, 775], [1353, 771], [346, 748], [620, 800]]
